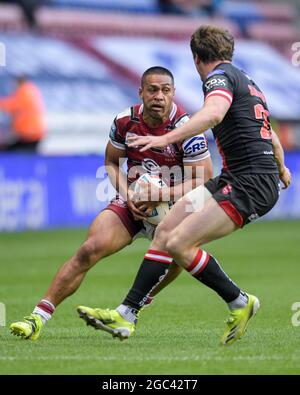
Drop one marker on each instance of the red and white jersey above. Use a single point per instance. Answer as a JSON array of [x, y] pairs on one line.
[[130, 122]]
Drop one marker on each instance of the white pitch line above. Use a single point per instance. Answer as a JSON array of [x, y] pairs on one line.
[[145, 359]]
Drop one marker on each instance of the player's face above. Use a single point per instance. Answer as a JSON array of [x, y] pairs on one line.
[[157, 94]]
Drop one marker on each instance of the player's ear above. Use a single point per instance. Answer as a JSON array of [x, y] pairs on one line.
[[141, 92], [196, 60]]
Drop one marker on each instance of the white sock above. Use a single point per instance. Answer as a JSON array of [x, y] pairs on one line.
[[240, 302], [127, 313], [44, 309]]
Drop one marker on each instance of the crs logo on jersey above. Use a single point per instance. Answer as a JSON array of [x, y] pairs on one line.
[[196, 145], [150, 166], [216, 82]]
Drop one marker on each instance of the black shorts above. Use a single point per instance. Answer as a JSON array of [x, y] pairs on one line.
[[245, 197]]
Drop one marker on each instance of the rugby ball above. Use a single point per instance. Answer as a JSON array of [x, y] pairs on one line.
[[163, 208]]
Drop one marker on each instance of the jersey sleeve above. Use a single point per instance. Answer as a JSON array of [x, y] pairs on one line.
[[218, 84], [195, 148], [115, 136]]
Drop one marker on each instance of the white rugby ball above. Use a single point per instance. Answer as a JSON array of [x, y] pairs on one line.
[[163, 208]]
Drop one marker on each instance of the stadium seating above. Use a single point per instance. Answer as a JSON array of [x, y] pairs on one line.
[[11, 18], [74, 22], [279, 35], [241, 13], [83, 57], [277, 12], [254, 19], [139, 6]]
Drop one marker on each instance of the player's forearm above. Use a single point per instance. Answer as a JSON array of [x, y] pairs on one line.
[[278, 152], [117, 178], [202, 120]]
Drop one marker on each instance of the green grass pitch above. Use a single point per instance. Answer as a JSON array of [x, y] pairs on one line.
[[179, 334]]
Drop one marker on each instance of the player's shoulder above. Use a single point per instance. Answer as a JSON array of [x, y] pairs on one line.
[[223, 81], [129, 114], [221, 75], [124, 114], [179, 116], [224, 69]]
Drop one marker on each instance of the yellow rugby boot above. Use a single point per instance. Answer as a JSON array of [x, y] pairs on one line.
[[238, 320], [107, 320], [29, 329]]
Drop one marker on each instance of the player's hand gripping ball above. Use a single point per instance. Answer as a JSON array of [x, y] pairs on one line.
[[160, 211]]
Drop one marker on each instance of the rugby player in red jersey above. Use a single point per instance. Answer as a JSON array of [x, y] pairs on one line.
[[247, 188], [123, 219]]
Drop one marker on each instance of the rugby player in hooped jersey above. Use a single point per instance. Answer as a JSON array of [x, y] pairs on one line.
[[247, 188], [123, 219]]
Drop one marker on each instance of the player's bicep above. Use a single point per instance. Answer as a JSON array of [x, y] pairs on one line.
[[218, 94], [114, 155], [217, 106]]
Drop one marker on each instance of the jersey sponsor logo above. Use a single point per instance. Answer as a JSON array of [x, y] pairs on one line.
[[150, 166], [268, 152], [227, 189], [216, 82], [169, 151], [196, 145], [216, 72], [253, 217]]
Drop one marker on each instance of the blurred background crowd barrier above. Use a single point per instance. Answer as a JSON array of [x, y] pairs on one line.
[[86, 58]]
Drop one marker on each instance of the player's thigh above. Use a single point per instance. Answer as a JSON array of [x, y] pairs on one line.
[[204, 226], [109, 233], [184, 207]]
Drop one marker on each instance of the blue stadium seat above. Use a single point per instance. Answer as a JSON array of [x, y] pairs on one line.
[[241, 13], [142, 6], [70, 79]]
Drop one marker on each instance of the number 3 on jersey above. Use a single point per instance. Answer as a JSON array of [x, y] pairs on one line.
[[262, 113]]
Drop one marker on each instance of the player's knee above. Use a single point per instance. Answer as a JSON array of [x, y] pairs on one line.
[[173, 245], [161, 236], [90, 252]]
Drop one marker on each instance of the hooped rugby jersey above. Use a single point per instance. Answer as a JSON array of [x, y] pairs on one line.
[[244, 135], [156, 160]]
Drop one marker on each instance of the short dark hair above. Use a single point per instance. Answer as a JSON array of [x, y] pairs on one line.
[[212, 43], [156, 70]]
